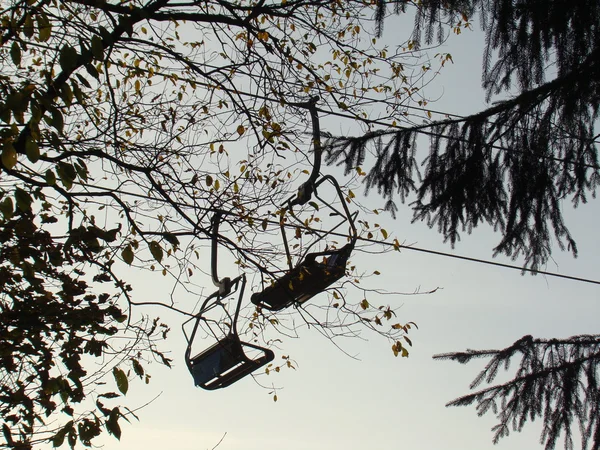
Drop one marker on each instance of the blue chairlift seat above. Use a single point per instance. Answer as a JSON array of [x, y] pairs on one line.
[[225, 362]]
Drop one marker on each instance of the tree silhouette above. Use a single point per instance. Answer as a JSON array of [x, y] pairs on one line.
[[124, 127], [556, 381], [512, 166]]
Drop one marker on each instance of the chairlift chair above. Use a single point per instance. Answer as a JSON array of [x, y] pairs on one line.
[[310, 277], [226, 361]]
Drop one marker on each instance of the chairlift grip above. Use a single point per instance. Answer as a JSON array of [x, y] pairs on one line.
[[307, 188], [224, 285]]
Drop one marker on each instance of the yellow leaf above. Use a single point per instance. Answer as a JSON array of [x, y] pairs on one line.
[[241, 129]]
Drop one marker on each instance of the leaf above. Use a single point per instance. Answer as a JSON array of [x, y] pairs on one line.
[[364, 304], [72, 437], [67, 58], [92, 71], [57, 120], [59, 438], [66, 172], [384, 233], [109, 395], [66, 94], [314, 205], [127, 255], [7, 208], [83, 81], [209, 180], [9, 156], [79, 95], [7, 434], [121, 379], [28, 26], [50, 177], [241, 130], [44, 27], [32, 150], [81, 170], [156, 251], [171, 239], [15, 53], [97, 47], [137, 368], [23, 200], [112, 424]]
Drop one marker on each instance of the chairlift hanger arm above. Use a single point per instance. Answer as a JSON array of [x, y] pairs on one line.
[[224, 285], [225, 362], [349, 216], [306, 189]]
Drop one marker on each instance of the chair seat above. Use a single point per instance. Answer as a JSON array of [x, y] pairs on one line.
[[225, 362], [304, 282]]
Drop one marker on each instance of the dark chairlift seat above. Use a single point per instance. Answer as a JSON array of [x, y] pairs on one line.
[[304, 281], [310, 277], [226, 361]]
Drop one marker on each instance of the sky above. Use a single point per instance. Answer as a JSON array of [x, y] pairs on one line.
[[374, 400]]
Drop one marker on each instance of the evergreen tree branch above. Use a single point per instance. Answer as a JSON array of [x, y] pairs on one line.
[[556, 381]]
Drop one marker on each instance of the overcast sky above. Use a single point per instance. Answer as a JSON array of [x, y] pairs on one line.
[[334, 402]]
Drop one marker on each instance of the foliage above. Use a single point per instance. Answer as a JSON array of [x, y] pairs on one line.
[[124, 127], [51, 321], [557, 381], [513, 164]]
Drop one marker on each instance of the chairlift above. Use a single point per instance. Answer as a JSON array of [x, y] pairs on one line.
[[311, 276], [229, 359]]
